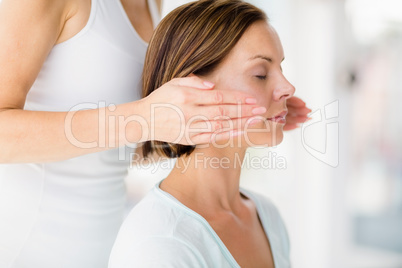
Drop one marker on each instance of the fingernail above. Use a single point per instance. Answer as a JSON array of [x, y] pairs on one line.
[[259, 110], [209, 84], [251, 101]]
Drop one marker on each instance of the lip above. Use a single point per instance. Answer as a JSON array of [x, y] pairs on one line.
[[279, 118]]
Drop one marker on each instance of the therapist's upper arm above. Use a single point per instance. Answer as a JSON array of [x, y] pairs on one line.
[[28, 31]]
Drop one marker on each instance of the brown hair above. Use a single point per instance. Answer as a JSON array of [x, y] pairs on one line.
[[193, 38]]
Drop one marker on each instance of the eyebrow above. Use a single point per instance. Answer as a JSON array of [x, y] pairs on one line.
[[264, 58]]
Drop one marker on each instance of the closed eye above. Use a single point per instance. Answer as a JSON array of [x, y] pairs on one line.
[[261, 77]]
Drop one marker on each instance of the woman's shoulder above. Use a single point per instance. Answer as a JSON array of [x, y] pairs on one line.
[[159, 215], [153, 214], [155, 232], [154, 252]]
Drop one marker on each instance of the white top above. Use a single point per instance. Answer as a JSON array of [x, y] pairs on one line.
[[67, 214], [162, 232]]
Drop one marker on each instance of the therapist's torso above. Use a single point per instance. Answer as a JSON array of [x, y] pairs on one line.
[[67, 213]]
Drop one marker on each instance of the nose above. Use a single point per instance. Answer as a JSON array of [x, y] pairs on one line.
[[284, 89]]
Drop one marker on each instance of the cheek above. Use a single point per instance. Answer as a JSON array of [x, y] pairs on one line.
[[236, 81], [263, 98], [257, 88], [233, 82], [240, 82]]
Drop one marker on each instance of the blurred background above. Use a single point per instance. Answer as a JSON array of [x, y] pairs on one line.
[[337, 180]]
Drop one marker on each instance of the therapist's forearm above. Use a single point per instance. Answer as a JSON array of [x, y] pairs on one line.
[[36, 137]]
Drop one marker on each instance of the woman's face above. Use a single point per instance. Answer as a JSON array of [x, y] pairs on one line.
[[254, 66]]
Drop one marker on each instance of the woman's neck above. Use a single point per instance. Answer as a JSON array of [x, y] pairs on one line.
[[207, 180]]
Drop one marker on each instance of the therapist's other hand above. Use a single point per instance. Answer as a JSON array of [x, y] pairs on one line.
[[190, 111], [297, 113]]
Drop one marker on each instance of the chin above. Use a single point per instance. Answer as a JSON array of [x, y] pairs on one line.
[[266, 138], [278, 137], [275, 139]]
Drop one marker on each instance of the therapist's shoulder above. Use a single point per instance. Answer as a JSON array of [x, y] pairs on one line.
[[75, 16], [159, 5], [37, 14], [28, 31], [49, 19]]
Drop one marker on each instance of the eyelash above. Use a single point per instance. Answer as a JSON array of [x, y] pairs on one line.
[[261, 77]]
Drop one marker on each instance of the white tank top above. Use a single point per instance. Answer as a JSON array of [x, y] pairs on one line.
[[67, 214]]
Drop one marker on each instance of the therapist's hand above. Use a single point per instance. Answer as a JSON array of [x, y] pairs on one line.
[[297, 113], [189, 111]]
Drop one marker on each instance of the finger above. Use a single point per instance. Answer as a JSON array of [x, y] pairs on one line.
[[225, 135], [296, 119], [295, 124], [298, 111], [208, 137], [288, 127], [226, 125], [192, 82], [219, 112], [212, 97], [295, 102]]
